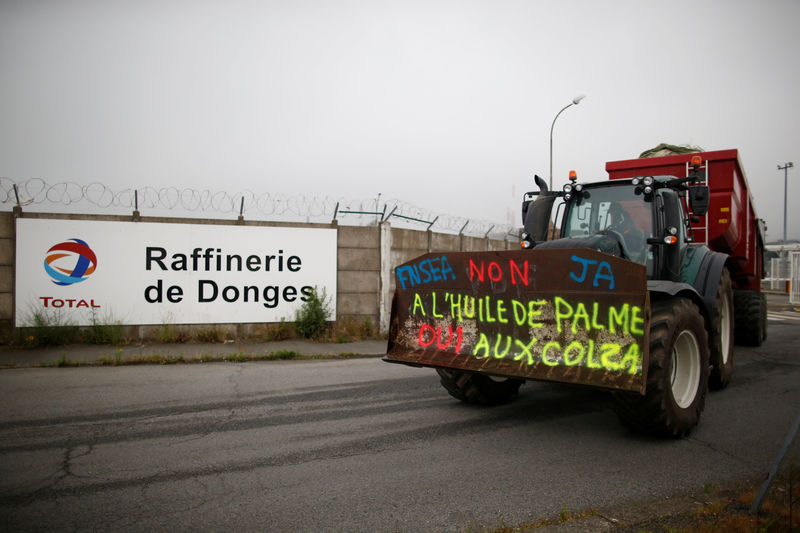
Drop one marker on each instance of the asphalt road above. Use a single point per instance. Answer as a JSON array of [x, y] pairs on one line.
[[356, 445]]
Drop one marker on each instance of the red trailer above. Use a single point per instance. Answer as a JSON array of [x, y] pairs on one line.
[[731, 225]]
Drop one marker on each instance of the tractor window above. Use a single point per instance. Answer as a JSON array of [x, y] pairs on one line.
[[614, 210]]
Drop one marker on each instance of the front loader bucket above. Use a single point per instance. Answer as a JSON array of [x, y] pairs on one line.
[[573, 316]]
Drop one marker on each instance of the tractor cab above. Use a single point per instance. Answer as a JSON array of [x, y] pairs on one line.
[[641, 219]]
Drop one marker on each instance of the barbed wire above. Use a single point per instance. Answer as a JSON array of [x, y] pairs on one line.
[[271, 206]]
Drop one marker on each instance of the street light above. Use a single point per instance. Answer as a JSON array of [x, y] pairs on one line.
[[575, 101], [785, 169]]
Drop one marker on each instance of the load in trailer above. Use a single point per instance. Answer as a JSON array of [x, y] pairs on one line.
[[640, 287]]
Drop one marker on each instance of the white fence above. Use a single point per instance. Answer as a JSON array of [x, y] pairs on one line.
[[779, 273], [794, 294]]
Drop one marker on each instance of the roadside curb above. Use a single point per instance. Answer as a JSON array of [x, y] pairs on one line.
[[97, 355]]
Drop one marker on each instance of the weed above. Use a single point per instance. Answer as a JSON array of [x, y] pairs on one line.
[[236, 357], [350, 329], [212, 334], [116, 361], [48, 328], [103, 330], [168, 333], [311, 320], [729, 511], [367, 327], [284, 354], [279, 331]]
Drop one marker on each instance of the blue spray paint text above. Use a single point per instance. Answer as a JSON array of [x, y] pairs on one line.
[[433, 269]]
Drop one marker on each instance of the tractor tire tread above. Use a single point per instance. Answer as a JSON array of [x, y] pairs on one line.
[[656, 413]]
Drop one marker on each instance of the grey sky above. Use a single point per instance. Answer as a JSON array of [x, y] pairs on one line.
[[444, 104]]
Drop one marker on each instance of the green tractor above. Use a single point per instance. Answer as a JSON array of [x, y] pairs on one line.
[[617, 294]]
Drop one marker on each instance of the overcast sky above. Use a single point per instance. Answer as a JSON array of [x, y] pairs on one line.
[[444, 104]]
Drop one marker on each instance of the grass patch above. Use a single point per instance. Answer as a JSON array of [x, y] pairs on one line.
[[349, 329], [280, 331], [211, 334], [103, 330], [729, 510], [153, 359], [48, 328], [158, 359], [64, 362], [53, 327], [284, 354], [169, 333]]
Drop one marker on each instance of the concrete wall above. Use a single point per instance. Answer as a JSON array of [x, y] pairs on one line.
[[7, 251], [366, 258], [358, 280]]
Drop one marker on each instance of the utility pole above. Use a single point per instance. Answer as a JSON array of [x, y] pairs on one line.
[[785, 169]]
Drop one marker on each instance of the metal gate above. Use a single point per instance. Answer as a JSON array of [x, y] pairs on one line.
[[794, 283]]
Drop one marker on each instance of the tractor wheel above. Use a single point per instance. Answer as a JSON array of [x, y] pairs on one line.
[[722, 335], [470, 387], [750, 316], [677, 376]]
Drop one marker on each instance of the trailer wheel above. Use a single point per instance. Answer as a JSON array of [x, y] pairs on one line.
[[677, 376], [722, 335], [750, 315], [470, 387]]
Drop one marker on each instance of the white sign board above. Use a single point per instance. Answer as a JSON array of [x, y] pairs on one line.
[[154, 273]]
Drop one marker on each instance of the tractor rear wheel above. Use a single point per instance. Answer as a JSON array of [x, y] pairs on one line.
[[722, 335], [750, 315], [677, 376], [470, 387]]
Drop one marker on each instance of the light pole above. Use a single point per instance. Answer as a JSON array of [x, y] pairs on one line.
[[575, 101], [785, 169]]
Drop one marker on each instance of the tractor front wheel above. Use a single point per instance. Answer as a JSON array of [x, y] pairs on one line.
[[677, 376]]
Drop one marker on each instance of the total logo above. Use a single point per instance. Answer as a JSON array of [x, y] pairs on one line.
[[70, 262]]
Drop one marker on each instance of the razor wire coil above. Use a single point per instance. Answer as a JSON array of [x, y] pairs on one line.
[[270, 206]]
